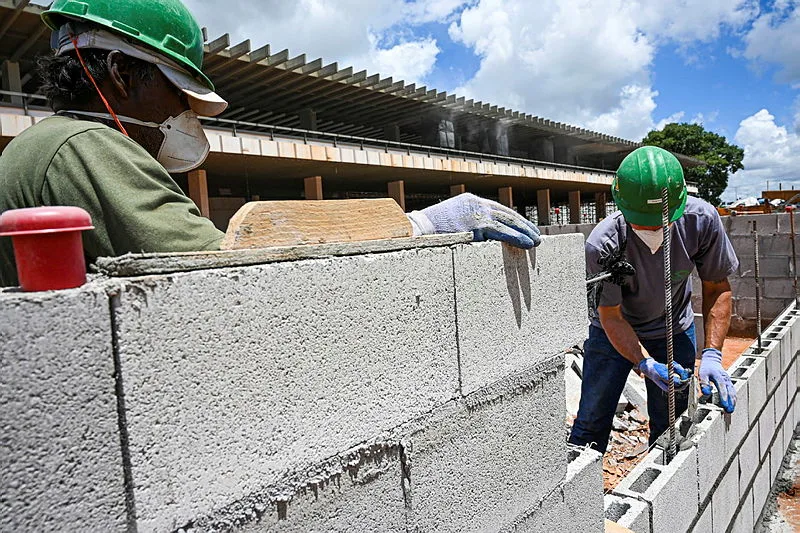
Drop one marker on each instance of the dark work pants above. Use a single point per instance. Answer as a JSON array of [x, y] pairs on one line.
[[604, 374]]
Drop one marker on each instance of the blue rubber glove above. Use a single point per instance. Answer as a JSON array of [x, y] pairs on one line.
[[484, 218], [659, 374], [711, 371]]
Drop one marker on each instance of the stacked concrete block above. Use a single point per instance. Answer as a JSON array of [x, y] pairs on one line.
[[666, 487], [630, 513], [259, 371], [573, 505], [60, 456], [513, 304], [725, 499], [478, 464], [743, 521]]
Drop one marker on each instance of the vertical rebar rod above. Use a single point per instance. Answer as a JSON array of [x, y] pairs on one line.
[[757, 271], [794, 258], [672, 448]]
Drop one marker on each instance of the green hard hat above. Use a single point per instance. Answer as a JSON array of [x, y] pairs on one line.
[[640, 179], [164, 25]]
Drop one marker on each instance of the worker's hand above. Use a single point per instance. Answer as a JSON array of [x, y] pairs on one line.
[[484, 218], [711, 371], [659, 374]]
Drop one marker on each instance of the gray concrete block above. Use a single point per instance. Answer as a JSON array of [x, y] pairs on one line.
[[725, 500], [666, 487], [736, 424], [743, 224], [60, 456], [769, 245], [703, 524], [630, 513], [745, 307], [781, 398], [761, 489], [257, 371], [753, 370], [748, 459], [771, 353], [709, 440], [360, 490], [481, 463], [769, 267], [576, 505], [776, 454], [517, 307], [743, 521], [766, 428]]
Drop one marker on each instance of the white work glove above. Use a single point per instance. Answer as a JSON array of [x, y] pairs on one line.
[[484, 218]]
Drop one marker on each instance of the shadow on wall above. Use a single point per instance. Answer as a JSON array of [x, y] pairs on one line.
[[518, 277]]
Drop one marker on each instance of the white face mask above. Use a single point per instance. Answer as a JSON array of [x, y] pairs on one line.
[[185, 145], [653, 238]]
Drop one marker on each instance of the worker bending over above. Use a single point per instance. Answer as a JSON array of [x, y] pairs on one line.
[[633, 313], [127, 87]]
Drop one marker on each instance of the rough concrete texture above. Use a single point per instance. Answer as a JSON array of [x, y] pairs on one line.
[[516, 307], [703, 525], [480, 463], [725, 500], [358, 491], [60, 457], [709, 440], [270, 368], [743, 521], [667, 488], [737, 423], [748, 459], [576, 504], [766, 428], [761, 489], [628, 512]]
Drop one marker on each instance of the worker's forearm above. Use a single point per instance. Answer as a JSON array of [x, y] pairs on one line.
[[717, 303], [623, 338]]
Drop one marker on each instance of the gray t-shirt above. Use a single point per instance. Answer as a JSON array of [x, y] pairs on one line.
[[698, 240]]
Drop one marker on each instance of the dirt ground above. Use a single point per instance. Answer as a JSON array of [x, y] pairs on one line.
[[629, 437]]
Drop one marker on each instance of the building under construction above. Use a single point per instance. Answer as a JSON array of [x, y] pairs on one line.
[[299, 128]]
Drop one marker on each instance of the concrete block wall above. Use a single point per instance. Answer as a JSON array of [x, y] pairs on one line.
[[376, 392], [728, 462]]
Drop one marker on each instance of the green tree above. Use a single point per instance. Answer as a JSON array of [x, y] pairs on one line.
[[721, 158]]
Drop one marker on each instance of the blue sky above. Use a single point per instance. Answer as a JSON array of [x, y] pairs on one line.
[[621, 67]]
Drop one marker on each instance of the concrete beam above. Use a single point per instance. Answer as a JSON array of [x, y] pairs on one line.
[[11, 80], [308, 119]]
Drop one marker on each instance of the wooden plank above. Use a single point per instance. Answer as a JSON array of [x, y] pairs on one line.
[[506, 196], [292, 223], [575, 207], [543, 206], [166, 263], [455, 190], [313, 187], [198, 191], [397, 191]]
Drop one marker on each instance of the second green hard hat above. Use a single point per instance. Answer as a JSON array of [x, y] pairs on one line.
[[640, 180]]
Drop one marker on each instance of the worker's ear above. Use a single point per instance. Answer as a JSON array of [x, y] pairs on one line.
[[119, 72]]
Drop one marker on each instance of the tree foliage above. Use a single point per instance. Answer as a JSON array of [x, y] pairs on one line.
[[721, 158]]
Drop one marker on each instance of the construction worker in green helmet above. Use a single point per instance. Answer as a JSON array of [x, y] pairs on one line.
[[627, 329], [127, 87]]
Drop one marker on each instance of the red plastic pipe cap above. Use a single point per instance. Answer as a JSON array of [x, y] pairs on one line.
[[51, 219], [48, 248]]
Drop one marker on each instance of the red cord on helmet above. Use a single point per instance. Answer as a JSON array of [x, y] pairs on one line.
[[91, 78]]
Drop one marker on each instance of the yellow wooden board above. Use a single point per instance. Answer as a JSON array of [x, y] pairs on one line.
[[298, 222]]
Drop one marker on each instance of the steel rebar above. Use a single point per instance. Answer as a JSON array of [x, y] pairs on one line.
[[672, 448], [757, 272]]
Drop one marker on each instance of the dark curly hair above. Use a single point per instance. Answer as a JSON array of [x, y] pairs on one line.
[[64, 81]]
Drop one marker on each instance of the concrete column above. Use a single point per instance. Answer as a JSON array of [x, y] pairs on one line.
[[392, 132], [198, 191], [506, 195], [455, 190], [575, 207], [308, 119], [599, 206], [313, 187], [543, 206], [12, 81], [397, 190]]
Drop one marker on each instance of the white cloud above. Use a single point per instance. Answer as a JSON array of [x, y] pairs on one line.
[[775, 38], [356, 33], [771, 152], [586, 62]]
